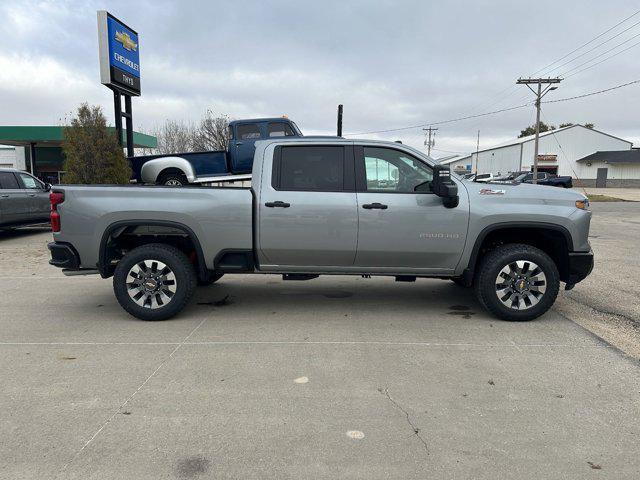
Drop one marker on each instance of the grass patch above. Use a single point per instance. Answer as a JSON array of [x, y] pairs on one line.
[[603, 198]]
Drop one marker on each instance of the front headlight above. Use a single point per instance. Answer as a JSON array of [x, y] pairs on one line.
[[582, 204]]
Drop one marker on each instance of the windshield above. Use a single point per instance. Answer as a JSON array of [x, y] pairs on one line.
[[520, 178]]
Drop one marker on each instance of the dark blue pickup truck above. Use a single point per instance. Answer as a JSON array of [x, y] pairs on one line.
[[199, 167]]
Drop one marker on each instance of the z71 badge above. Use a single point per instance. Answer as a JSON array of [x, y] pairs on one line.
[[491, 191]]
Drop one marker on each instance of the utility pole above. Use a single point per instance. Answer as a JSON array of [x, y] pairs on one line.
[[339, 127], [430, 143], [477, 151], [539, 94]]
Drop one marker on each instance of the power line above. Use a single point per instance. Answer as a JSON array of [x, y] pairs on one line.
[[499, 94], [587, 43], [593, 93], [603, 60], [599, 45], [601, 54], [441, 122], [633, 82], [498, 102]]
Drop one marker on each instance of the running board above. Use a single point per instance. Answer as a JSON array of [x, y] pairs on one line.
[[405, 278], [298, 276]]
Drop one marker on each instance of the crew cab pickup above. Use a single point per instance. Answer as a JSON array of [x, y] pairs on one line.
[[177, 169], [327, 206]]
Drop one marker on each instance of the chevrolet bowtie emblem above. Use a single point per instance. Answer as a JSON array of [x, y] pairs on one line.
[[126, 41]]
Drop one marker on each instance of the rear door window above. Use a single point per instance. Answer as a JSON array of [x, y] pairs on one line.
[[312, 168], [8, 181], [249, 131]]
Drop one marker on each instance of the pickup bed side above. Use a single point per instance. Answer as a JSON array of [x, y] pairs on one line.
[[215, 218]]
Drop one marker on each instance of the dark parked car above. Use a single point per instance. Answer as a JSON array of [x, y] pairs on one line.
[[24, 200], [545, 178]]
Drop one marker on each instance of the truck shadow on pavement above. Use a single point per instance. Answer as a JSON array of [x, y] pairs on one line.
[[18, 232], [349, 297]]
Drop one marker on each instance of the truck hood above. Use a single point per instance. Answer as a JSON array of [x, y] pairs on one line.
[[543, 194]]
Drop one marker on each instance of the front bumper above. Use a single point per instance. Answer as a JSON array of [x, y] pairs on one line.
[[580, 266], [63, 255]]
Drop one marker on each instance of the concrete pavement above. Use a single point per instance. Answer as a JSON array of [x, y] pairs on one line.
[[628, 194], [431, 385]]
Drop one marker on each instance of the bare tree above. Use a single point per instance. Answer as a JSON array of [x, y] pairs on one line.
[[178, 137], [212, 133], [175, 137]]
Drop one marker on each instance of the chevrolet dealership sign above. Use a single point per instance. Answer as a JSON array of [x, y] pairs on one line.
[[119, 54]]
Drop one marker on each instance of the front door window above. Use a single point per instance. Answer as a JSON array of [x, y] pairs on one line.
[[388, 170]]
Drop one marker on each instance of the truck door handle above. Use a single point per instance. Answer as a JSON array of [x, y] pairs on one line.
[[277, 204], [376, 205], [32, 194], [6, 195], [238, 144]]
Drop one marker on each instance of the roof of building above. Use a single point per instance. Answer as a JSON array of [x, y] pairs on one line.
[[51, 136], [616, 156], [530, 138]]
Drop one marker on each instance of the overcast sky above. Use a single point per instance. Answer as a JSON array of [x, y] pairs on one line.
[[391, 63]]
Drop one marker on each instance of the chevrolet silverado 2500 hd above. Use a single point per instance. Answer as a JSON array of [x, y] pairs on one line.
[[327, 206]]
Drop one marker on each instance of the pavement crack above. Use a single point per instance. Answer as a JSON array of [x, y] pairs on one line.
[[130, 397], [414, 427], [634, 321]]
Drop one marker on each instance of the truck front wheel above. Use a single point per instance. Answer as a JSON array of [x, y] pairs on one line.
[[154, 282], [517, 282]]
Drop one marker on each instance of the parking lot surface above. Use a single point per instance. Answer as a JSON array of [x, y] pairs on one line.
[[337, 377]]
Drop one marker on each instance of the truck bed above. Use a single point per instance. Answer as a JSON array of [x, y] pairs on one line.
[[220, 216]]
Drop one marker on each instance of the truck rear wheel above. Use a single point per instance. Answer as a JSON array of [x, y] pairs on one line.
[[154, 282], [173, 180], [517, 282]]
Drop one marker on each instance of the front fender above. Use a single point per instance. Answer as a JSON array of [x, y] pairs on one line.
[[151, 170]]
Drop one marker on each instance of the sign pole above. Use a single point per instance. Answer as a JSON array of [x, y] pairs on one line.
[[117, 107], [129, 122]]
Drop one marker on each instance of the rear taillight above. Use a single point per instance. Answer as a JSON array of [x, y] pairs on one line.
[[56, 198]]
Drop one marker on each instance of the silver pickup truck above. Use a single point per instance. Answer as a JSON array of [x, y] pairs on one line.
[[327, 206]]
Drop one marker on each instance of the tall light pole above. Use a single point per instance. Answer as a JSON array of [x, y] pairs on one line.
[[539, 94]]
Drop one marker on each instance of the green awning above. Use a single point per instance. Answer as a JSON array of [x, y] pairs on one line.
[[52, 136]]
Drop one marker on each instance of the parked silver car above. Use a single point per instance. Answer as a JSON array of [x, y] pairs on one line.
[[24, 200]]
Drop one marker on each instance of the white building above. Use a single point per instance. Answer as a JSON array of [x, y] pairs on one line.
[[560, 151], [12, 157]]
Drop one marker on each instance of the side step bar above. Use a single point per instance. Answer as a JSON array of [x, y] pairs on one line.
[[405, 278], [298, 276]]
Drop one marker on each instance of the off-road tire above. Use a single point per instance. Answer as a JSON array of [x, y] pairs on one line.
[[179, 265], [497, 259]]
